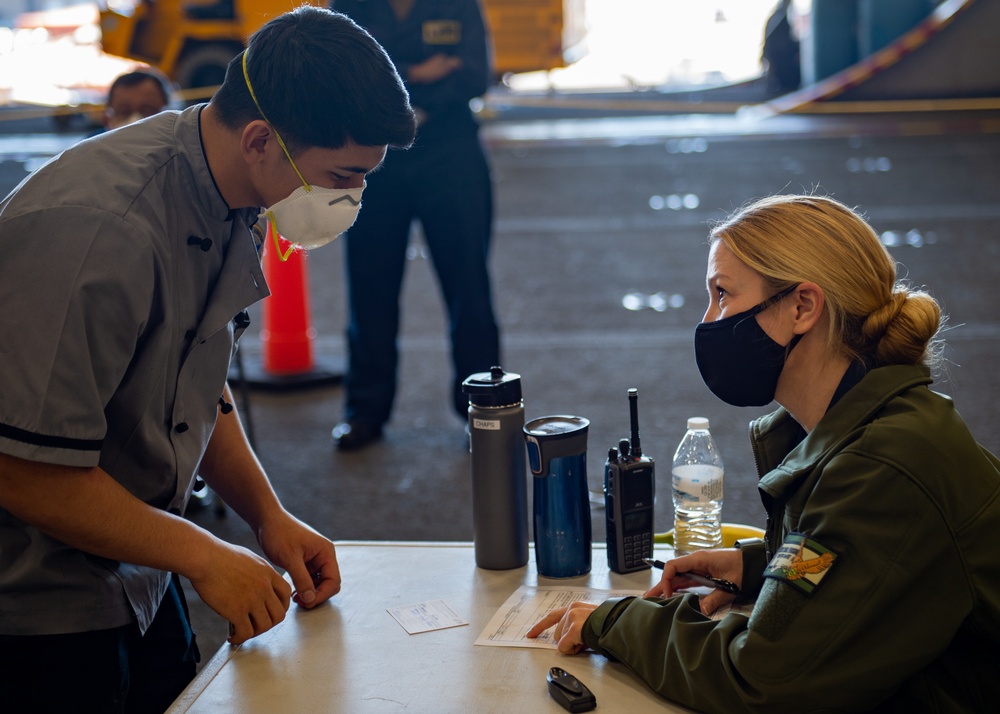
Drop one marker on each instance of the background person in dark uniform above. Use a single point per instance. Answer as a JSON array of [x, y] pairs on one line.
[[439, 49]]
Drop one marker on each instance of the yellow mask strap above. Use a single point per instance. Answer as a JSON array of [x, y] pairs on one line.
[[283, 257], [281, 143]]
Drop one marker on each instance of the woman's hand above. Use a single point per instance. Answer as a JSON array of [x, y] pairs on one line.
[[569, 626], [726, 563]]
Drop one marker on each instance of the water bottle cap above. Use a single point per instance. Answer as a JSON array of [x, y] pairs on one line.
[[495, 388], [697, 423]]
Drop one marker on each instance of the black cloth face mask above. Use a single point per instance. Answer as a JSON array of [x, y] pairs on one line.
[[736, 358]]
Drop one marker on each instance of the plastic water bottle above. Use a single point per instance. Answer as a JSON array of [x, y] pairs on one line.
[[697, 490]]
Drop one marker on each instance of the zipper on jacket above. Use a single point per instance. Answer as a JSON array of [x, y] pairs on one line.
[[770, 535]]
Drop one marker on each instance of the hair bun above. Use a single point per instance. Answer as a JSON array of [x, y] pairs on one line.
[[901, 331], [879, 321]]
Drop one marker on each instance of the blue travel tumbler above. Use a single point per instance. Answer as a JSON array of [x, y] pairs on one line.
[[557, 456]]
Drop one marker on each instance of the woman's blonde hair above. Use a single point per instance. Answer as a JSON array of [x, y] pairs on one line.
[[874, 317]]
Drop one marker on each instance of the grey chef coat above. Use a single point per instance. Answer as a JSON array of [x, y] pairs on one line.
[[121, 272]]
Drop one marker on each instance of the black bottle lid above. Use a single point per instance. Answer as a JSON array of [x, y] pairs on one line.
[[495, 388]]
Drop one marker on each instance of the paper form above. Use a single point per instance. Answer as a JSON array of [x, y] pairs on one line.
[[529, 604]]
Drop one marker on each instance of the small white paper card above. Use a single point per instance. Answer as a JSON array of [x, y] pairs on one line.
[[426, 616]]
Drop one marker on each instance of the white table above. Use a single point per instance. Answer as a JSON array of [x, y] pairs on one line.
[[350, 655]]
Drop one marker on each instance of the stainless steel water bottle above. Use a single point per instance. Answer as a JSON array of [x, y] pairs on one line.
[[499, 480], [557, 455]]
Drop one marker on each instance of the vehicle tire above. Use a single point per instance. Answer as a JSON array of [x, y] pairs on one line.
[[204, 66]]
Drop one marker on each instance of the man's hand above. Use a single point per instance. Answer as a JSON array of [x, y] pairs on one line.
[[87, 509], [244, 589], [233, 471], [569, 626], [726, 563], [309, 558]]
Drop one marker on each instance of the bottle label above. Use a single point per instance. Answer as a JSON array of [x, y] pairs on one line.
[[490, 424], [697, 483]]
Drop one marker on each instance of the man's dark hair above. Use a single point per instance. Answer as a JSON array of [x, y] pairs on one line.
[[321, 80], [131, 79]]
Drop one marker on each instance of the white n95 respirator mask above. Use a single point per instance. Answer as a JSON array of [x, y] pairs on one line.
[[312, 216]]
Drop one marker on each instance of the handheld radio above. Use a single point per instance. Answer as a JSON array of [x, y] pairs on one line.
[[629, 487]]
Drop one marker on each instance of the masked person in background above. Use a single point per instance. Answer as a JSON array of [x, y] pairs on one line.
[[131, 260], [440, 49], [135, 95], [875, 586]]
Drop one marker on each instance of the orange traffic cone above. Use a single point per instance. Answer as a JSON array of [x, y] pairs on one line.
[[287, 335]]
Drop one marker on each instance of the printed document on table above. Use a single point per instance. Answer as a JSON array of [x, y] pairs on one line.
[[529, 604]]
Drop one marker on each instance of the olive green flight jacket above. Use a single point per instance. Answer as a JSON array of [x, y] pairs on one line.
[[897, 607]]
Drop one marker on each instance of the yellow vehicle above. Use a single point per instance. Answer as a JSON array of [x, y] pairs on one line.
[[192, 41], [177, 37], [532, 35]]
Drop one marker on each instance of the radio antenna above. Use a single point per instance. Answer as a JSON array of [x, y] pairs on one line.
[[633, 405]]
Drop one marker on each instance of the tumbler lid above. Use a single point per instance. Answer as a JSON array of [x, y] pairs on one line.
[[557, 427], [554, 437], [495, 388]]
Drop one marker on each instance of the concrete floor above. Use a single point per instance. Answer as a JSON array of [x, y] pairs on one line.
[[596, 213]]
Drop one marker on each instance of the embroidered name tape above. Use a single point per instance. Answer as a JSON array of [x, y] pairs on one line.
[[442, 32], [801, 562]]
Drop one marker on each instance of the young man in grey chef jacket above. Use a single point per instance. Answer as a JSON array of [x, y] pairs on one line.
[[127, 264]]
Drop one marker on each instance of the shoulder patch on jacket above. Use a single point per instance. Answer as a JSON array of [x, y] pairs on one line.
[[801, 562]]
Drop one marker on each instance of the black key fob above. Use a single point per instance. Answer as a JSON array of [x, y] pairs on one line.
[[570, 691]]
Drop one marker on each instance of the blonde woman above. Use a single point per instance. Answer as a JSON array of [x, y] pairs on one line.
[[875, 586]]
